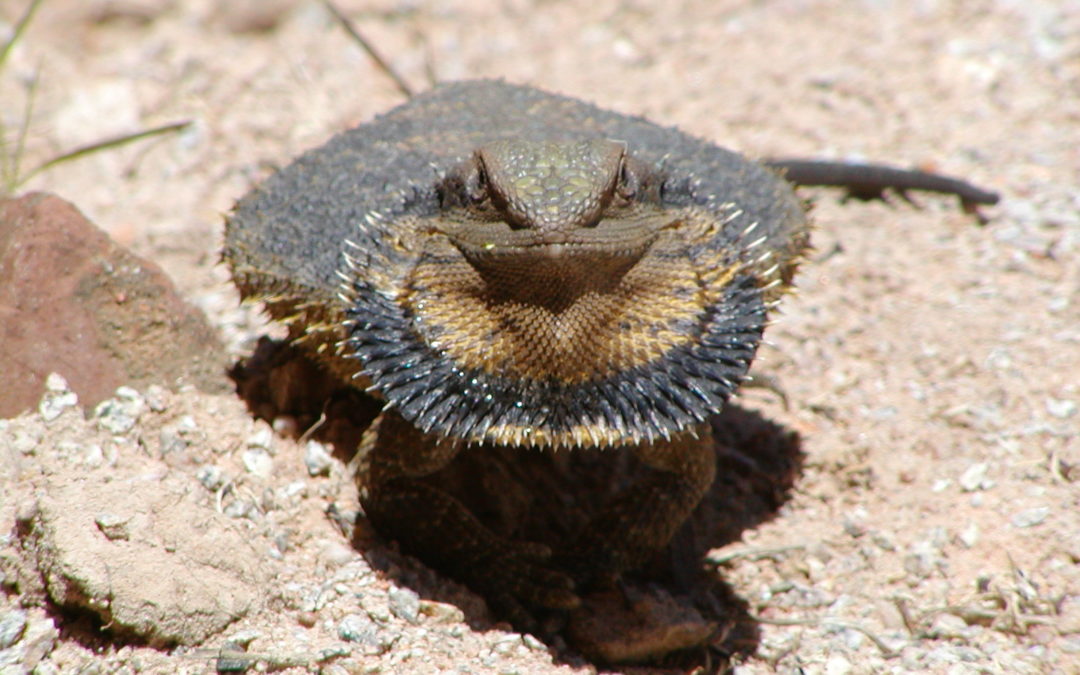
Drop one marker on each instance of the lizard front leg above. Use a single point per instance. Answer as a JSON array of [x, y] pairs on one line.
[[437, 528], [645, 516]]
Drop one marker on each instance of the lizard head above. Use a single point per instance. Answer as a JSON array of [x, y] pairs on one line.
[[546, 222], [555, 299]]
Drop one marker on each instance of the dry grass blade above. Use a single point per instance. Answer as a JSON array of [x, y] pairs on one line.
[[11, 178], [886, 650], [103, 144], [20, 28], [382, 63], [9, 161]]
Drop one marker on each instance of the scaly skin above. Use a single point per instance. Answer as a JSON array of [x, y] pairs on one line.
[[566, 279]]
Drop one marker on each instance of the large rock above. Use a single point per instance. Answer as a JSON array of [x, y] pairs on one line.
[[72, 301], [140, 549]]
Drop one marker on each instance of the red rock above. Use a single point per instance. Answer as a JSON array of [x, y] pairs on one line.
[[72, 301]]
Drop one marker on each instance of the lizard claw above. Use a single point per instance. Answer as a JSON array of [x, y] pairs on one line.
[[519, 574]]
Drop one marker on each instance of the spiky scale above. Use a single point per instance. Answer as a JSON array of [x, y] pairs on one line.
[[337, 240]]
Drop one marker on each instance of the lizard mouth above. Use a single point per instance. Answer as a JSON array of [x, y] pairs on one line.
[[611, 235], [525, 262]]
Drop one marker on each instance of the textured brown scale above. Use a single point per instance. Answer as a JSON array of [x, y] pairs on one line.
[[598, 333]]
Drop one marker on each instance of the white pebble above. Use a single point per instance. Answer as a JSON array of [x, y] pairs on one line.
[[58, 397], [263, 437], [93, 456], [27, 441], [156, 397], [56, 383], [1061, 408], [317, 459], [837, 665], [974, 477], [211, 477], [119, 414], [258, 462], [969, 536], [1031, 517], [336, 554]]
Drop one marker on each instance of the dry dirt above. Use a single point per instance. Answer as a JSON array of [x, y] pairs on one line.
[[932, 366]]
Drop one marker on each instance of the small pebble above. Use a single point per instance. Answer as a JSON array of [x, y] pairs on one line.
[[187, 424], [238, 508], [357, 628], [405, 604], [281, 542], [258, 462], [441, 612], [969, 536], [119, 414], [171, 441], [1061, 408], [93, 456], [114, 527], [156, 398], [1071, 645], [307, 619], [286, 425], [884, 541], [837, 665], [26, 442], [58, 398], [1031, 517], [245, 637], [854, 527], [336, 554], [948, 626], [506, 644], [263, 437], [292, 489], [317, 459], [211, 477], [12, 625], [56, 384], [974, 477], [533, 643]]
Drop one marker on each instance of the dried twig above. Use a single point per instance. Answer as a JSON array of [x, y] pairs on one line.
[[382, 63], [104, 144], [886, 650], [773, 552]]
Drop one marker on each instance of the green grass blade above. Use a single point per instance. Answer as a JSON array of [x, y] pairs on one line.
[[20, 28], [104, 144], [9, 179]]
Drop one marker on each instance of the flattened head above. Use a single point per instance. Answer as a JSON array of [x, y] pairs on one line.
[[545, 222], [550, 188]]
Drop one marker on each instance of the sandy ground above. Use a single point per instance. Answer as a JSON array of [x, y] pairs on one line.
[[932, 366]]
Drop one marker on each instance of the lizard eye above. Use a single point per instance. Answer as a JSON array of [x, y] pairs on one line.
[[629, 182], [476, 186]]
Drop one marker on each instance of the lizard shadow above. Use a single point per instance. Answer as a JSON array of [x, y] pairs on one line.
[[548, 496]]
